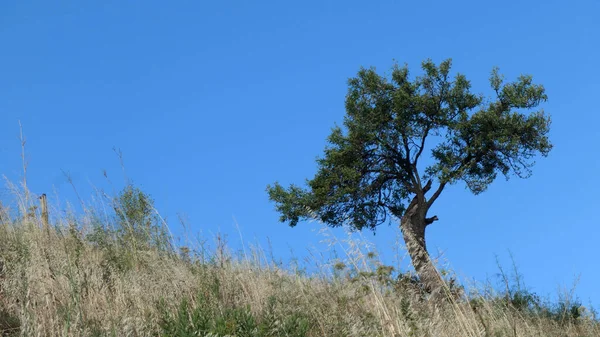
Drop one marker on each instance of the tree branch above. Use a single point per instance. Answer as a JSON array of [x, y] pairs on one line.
[[429, 221], [436, 195], [427, 186], [415, 200], [406, 148], [405, 165], [420, 197], [416, 184], [425, 134], [418, 178]]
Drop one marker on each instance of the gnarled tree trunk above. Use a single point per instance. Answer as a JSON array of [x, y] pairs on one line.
[[412, 225]]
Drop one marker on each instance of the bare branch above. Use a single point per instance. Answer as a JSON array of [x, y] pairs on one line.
[[436, 194], [427, 186], [429, 221]]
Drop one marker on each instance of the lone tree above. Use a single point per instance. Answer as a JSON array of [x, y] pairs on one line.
[[370, 169]]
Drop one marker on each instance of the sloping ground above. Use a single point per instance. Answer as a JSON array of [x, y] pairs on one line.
[[80, 278]]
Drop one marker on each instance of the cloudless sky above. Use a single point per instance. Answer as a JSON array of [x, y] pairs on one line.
[[210, 101]]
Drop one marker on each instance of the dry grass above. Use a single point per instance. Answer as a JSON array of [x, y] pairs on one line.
[[64, 282]]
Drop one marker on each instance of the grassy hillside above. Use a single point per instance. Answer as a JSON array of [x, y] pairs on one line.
[[114, 271]]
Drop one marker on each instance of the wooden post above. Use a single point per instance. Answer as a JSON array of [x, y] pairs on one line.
[[44, 204]]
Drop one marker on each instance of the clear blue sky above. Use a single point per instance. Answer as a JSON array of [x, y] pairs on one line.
[[212, 101]]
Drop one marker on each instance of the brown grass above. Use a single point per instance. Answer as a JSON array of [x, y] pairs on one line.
[[62, 283]]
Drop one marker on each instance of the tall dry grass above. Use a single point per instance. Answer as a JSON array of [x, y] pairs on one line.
[[81, 278]]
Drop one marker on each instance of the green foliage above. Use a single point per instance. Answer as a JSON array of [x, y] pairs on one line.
[[369, 168], [137, 227], [187, 321], [118, 255], [138, 222], [203, 319]]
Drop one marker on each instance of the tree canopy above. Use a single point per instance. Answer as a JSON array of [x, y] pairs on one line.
[[370, 166]]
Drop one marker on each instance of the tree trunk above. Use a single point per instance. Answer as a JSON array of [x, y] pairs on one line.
[[413, 225]]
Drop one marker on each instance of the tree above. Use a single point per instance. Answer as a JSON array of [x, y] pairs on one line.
[[371, 168]]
